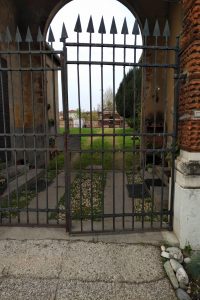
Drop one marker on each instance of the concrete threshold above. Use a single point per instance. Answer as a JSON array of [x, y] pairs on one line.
[[34, 233]]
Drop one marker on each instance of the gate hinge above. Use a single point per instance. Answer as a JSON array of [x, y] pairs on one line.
[[182, 77]]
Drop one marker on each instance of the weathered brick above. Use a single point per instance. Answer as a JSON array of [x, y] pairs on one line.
[[189, 129]]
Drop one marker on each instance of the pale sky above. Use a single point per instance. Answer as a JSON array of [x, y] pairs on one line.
[[86, 8]]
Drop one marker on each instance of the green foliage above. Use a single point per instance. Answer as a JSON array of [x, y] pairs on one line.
[[17, 201], [25, 196], [193, 267], [102, 149], [57, 162], [96, 158], [187, 250], [51, 123], [132, 97], [168, 156], [87, 116]]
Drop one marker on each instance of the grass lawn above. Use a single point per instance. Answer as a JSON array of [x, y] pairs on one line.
[[100, 148]]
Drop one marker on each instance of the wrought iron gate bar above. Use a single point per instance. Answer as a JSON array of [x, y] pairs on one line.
[[126, 64], [121, 46], [29, 69], [113, 31], [102, 31], [89, 151], [89, 135], [33, 52], [118, 134]]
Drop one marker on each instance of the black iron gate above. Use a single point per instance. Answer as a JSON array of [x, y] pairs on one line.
[[108, 168]]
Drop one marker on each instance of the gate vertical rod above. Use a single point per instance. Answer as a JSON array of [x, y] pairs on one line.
[[164, 104], [114, 131], [17, 185], [154, 131], [23, 119], [134, 128], [34, 131], [79, 115], [14, 137], [175, 129], [65, 101], [143, 142], [5, 138], [124, 143], [55, 109], [91, 137], [46, 142], [102, 123], [42, 64]]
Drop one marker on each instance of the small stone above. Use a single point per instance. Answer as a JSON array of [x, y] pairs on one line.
[[173, 249], [165, 254], [183, 286], [175, 253], [187, 260], [182, 295], [163, 248], [175, 264], [189, 291], [182, 276], [171, 275]]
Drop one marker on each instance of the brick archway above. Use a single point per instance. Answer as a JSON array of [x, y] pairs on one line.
[[29, 13]]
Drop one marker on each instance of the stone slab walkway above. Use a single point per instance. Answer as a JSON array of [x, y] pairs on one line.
[[72, 269], [21, 181], [114, 193], [46, 199]]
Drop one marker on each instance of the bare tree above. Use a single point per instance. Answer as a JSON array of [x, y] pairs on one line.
[[107, 100]]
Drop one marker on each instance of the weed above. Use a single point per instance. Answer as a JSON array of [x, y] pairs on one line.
[[188, 249], [193, 267]]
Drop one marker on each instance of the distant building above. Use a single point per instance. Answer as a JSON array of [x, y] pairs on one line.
[[74, 121], [108, 119]]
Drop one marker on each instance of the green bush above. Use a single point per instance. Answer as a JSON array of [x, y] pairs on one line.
[[193, 267]]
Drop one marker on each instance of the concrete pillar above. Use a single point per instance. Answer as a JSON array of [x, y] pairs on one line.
[[187, 183], [187, 199]]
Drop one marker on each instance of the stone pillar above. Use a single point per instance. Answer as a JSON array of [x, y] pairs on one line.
[[187, 185], [187, 199]]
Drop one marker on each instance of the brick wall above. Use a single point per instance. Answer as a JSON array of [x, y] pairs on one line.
[[189, 102]]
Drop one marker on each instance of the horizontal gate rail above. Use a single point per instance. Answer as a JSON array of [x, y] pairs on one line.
[[98, 63], [121, 46]]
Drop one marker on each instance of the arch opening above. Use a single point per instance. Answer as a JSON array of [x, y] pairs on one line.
[[68, 15], [64, 3]]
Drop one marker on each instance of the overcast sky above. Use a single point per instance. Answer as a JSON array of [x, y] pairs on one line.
[[86, 8]]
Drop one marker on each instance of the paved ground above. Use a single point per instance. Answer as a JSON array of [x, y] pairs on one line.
[[99, 267]]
